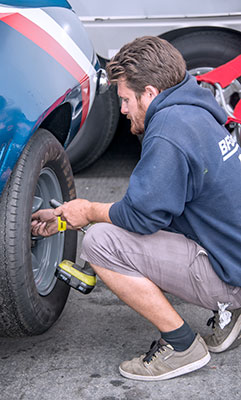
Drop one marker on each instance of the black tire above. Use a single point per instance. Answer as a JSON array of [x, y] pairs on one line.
[[31, 298], [208, 47], [97, 132]]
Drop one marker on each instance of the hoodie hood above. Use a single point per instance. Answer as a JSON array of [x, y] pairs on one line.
[[187, 92]]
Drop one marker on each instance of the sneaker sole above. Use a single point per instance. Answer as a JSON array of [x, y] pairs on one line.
[[232, 341], [172, 374]]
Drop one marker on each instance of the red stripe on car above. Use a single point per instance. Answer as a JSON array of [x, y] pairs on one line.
[[42, 39]]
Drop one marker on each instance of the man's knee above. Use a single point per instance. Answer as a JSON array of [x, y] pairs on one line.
[[114, 248], [99, 237]]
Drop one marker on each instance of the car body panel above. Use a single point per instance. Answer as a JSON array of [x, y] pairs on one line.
[[37, 3], [46, 60]]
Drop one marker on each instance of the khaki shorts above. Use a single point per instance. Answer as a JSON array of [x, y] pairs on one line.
[[177, 265]]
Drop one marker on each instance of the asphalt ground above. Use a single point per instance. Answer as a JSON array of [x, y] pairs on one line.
[[78, 357]]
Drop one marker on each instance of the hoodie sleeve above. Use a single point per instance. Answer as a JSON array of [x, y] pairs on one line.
[[158, 188]]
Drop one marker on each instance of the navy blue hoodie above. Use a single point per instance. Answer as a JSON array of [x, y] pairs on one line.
[[188, 179]]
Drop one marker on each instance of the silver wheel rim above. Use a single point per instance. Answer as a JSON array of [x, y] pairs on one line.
[[228, 92], [47, 253]]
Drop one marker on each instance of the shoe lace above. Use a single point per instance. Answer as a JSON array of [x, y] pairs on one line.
[[156, 346], [213, 320]]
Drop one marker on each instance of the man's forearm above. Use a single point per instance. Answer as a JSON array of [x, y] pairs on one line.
[[99, 212]]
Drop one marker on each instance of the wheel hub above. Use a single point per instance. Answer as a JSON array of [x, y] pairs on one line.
[[47, 252]]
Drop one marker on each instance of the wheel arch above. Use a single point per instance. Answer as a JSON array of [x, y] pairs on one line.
[[58, 122]]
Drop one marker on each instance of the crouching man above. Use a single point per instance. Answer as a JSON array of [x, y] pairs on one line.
[[178, 227]]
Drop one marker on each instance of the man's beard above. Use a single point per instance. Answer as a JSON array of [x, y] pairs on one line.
[[137, 122]]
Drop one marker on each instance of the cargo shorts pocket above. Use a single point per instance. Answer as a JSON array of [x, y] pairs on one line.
[[208, 287]]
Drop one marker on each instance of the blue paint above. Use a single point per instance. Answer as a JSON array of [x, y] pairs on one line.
[[39, 3], [31, 83]]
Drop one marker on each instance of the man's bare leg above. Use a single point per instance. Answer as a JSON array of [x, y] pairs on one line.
[[143, 296]]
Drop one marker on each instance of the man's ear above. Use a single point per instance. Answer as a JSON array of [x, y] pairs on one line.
[[151, 91]]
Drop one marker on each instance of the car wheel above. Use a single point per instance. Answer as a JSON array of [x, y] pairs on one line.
[[31, 298], [207, 48], [97, 132]]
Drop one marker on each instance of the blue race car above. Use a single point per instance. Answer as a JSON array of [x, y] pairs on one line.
[[56, 111]]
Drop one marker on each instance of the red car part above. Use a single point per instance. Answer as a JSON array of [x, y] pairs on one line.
[[220, 78]]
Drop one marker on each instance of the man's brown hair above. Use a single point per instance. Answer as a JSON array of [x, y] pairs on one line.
[[147, 60]]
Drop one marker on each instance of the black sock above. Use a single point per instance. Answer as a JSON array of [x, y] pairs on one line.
[[181, 338]]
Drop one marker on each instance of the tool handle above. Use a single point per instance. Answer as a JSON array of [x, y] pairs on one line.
[[55, 203]]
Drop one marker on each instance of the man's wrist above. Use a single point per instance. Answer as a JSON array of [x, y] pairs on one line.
[[90, 214], [99, 212]]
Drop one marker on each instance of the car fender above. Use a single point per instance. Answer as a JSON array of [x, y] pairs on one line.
[[46, 59]]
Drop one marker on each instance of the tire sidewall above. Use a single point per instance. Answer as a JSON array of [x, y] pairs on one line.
[[36, 313], [207, 47]]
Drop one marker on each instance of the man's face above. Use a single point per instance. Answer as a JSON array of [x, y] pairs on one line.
[[135, 109]]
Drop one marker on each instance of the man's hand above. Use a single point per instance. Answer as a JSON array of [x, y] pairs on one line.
[[44, 223], [81, 212], [75, 212]]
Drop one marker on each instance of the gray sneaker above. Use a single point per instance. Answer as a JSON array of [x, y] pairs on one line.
[[226, 338], [163, 362]]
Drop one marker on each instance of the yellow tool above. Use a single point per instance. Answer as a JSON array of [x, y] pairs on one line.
[[81, 279]]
